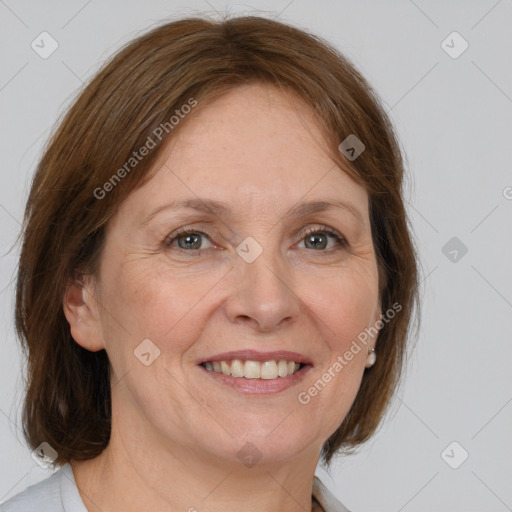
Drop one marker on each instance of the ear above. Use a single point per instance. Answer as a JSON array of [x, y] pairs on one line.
[[82, 312], [376, 318], [378, 315]]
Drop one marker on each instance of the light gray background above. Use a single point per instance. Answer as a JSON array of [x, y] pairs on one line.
[[454, 120]]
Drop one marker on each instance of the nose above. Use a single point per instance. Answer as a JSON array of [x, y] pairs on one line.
[[262, 293]]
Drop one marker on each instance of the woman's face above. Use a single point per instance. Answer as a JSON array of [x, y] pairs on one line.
[[246, 278]]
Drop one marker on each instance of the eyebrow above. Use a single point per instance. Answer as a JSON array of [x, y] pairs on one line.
[[223, 209]]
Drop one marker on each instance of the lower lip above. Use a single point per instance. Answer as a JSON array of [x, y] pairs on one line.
[[258, 386]]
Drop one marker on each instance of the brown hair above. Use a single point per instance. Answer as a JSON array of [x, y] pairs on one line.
[[67, 402]]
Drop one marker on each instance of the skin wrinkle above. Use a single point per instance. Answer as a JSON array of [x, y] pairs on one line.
[[172, 429]]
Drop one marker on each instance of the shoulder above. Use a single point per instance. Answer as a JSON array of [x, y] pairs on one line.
[[44, 496], [57, 493], [325, 498]]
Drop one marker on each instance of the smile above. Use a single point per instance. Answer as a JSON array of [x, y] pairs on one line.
[[268, 384], [248, 369]]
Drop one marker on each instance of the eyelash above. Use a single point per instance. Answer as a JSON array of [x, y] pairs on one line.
[[341, 240]]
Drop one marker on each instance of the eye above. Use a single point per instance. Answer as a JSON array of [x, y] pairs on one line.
[[316, 238], [191, 239]]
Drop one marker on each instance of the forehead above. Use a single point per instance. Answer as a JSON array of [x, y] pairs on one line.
[[256, 148]]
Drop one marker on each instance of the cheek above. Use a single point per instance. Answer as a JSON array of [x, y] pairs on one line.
[[143, 300], [345, 310], [164, 305], [346, 306]]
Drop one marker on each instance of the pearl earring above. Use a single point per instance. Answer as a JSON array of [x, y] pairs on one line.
[[372, 357]]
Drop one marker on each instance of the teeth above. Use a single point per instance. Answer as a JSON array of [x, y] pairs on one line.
[[237, 368], [254, 369], [224, 367], [269, 370], [282, 368]]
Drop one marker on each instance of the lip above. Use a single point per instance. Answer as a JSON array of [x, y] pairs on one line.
[[257, 386], [254, 355]]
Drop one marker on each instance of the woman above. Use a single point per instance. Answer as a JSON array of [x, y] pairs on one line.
[[217, 276]]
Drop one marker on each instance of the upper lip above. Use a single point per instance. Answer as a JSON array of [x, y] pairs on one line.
[[254, 355]]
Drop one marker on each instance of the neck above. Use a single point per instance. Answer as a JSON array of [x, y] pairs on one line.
[[132, 475]]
